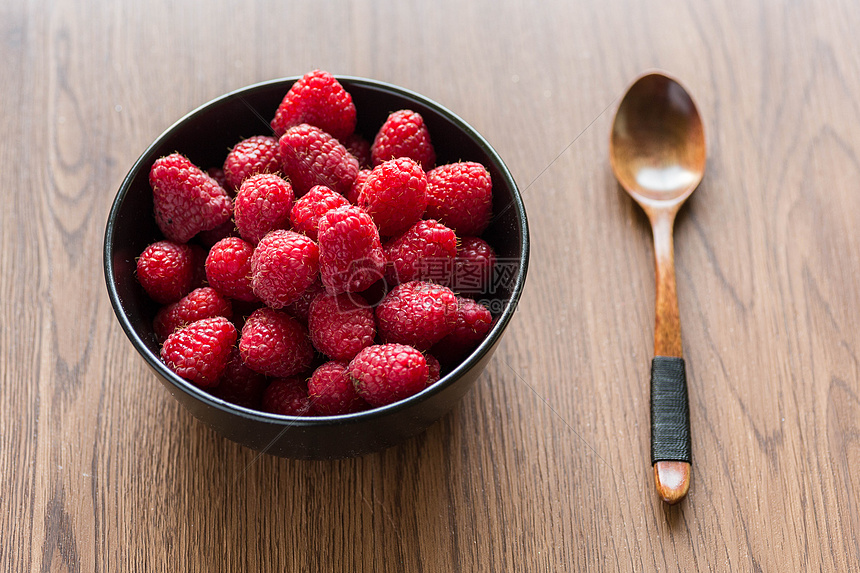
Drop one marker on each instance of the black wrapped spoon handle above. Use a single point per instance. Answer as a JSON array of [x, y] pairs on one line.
[[670, 411]]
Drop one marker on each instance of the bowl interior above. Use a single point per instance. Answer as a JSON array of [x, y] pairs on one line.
[[207, 134]]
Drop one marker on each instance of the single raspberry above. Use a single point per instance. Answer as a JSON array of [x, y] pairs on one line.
[[360, 149], [417, 313], [319, 99], [252, 156], [228, 268], [239, 384], [165, 269], [217, 173], [387, 373], [199, 352], [275, 344], [358, 185], [341, 325], [200, 303], [287, 396], [222, 231], [473, 267], [332, 392], [404, 134], [473, 323], [425, 252], [262, 204], [283, 265], [351, 256], [460, 195], [300, 308], [395, 195], [307, 210], [310, 156], [434, 367], [186, 200]]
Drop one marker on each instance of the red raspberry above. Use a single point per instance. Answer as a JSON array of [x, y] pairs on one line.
[[434, 367], [222, 231], [417, 313], [395, 195], [351, 256], [217, 173], [473, 323], [288, 397], [425, 252], [283, 265], [308, 209], [275, 344], [166, 271], [360, 148], [460, 195], [341, 325], [473, 268], [300, 308], [199, 352], [252, 156], [387, 373], [239, 384], [317, 98], [186, 200], [310, 156], [404, 135], [200, 303], [228, 268], [332, 392], [357, 186], [263, 204]]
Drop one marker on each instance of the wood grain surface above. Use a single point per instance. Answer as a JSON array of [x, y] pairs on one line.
[[544, 465]]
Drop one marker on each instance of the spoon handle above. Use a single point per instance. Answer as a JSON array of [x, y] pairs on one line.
[[670, 413]]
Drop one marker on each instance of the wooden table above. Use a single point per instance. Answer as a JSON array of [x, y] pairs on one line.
[[544, 465]]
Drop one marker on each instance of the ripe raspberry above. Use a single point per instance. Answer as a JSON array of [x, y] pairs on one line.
[[341, 325], [310, 156], [308, 209], [425, 252], [332, 392], [473, 323], [387, 373], [217, 173], [222, 231], [351, 256], [434, 367], [239, 384], [357, 186], [300, 308], [275, 344], [228, 268], [317, 98], [252, 156], [360, 149], [262, 204], [165, 269], [199, 351], [473, 268], [283, 265], [395, 195], [186, 200], [200, 303], [404, 135], [460, 195], [288, 397], [417, 313]]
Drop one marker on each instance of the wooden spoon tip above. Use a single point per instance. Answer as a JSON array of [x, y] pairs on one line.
[[672, 480]]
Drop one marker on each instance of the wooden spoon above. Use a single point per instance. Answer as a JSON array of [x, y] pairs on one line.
[[657, 151]]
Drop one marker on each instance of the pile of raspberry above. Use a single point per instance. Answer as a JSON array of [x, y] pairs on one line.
[[302, 276]]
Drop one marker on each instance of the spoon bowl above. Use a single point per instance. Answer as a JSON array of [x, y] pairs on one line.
[[657, 152]]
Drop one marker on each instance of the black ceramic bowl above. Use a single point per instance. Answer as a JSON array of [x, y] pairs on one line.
[[204, 136]]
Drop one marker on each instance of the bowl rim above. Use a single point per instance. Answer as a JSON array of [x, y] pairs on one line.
[[208, 399]]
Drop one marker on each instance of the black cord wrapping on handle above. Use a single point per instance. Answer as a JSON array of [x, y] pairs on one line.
[[670, 411]]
